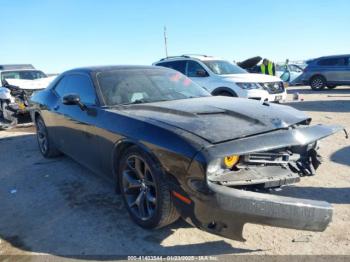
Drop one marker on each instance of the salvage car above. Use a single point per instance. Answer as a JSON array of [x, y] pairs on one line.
[[18, 82], [173, 149], [221, 77]]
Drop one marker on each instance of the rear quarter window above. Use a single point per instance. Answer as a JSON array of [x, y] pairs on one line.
[[176, 65]]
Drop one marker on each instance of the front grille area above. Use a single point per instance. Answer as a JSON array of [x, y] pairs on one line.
[[273, 88], [29, 92], [264, 158]]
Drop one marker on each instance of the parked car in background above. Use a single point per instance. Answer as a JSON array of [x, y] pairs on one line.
[[327, 71], [172, 149], [221, 77], [18, 82]]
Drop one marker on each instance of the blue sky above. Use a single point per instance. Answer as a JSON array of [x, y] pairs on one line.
[[56, 35]]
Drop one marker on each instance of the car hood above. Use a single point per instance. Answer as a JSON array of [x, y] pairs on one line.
[[249, 63], [251, 78], [36, 84], [217, 119]]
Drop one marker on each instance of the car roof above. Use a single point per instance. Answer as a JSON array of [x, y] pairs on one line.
[[19, 70], [16, 67], [333, 56], [188, 57], [95, 69]]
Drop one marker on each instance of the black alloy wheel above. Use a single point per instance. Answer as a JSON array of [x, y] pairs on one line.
[[145, 190], [139, 188], [41, 134], [47, 148]]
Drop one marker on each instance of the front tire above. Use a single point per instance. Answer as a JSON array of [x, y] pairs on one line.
[[145, 191], [46, 147], [318, 83]]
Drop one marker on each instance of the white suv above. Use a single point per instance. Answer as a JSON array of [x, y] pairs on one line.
[[221, 77]]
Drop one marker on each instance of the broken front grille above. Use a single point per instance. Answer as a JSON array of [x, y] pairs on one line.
[[263, 158]]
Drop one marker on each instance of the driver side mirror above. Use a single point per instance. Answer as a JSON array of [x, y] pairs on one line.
[[73, 99], [201, 73]]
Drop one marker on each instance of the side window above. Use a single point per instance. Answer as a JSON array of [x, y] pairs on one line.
[[81, 85], [193, 67], [176, 65], [341, 61], [60, 87], [77, 84]]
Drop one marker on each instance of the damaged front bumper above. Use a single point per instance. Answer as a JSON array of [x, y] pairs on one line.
[[236, 207], [223, 210]]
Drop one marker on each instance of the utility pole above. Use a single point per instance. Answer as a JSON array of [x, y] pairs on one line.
[[165, 42]]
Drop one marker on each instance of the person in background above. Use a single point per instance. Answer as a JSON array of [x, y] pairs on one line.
[[286, 64], [268, 68]]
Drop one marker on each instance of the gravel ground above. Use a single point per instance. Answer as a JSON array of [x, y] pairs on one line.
[[60, 208]]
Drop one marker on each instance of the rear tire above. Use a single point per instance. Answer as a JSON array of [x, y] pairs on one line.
[[331, 86], [318, 83], [145, 190], [46, 147]]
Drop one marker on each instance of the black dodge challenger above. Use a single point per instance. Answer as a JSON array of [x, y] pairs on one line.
[[174, 150]]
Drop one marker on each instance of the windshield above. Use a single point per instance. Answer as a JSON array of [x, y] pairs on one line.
[[134, 86], [27, 75], [221, 67]]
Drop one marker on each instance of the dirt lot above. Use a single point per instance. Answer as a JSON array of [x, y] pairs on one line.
[[60, 208]]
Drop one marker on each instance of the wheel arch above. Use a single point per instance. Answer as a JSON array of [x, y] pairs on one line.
[[220, 89], [317, 75], [120, 147]]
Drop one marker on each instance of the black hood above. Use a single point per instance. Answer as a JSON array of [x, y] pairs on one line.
[[249, 63], [217, 119]]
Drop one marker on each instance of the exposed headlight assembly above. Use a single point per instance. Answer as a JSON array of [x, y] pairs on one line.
[[222, 165]]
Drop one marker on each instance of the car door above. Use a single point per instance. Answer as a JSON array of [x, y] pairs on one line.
[[295, 71], [197, 73], [75, 126], [334, 69], [347, 72]]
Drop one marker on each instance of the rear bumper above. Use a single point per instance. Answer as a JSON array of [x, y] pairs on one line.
[[227, 210]]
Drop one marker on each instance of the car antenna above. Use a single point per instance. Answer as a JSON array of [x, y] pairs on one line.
[[166, 42]]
